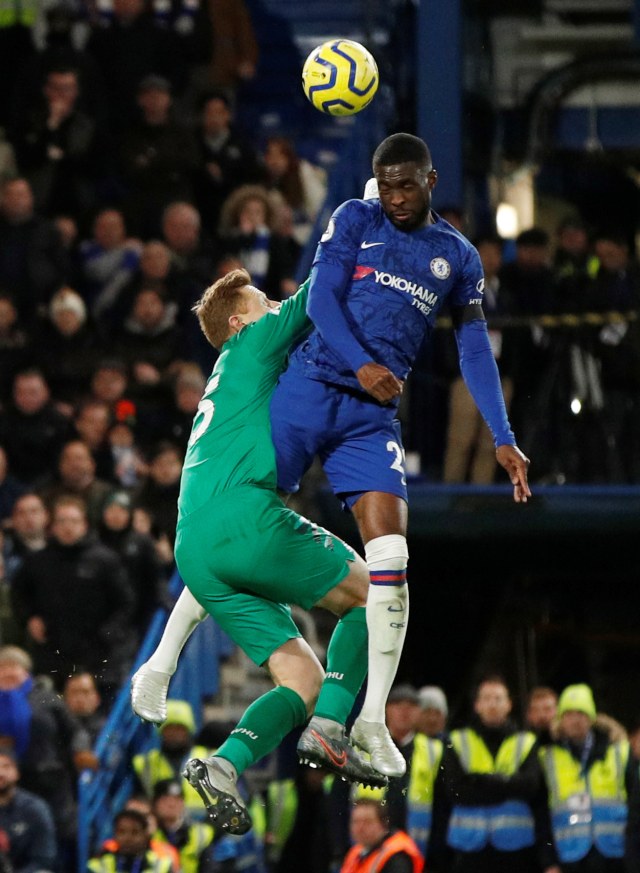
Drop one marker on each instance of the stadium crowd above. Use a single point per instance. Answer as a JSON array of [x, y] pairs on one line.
[[126, 188]]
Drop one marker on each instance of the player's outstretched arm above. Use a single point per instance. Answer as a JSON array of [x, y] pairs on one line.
[[517, 465]]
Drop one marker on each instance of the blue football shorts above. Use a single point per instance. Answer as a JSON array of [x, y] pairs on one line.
[[358, 441]]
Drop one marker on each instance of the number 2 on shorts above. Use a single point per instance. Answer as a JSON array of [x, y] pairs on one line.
[[398, 461]]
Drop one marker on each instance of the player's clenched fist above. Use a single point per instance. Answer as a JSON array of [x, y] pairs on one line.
[[379, 382]]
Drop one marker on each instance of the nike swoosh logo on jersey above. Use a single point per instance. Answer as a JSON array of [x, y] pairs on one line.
[[339, 760], [366, 245]]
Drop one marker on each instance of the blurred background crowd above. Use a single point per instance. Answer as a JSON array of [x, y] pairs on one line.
[[143, 154]]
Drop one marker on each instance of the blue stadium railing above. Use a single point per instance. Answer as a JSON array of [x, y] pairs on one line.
[[101, 793]]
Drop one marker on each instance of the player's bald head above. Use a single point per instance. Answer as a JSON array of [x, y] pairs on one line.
[[402, 148]]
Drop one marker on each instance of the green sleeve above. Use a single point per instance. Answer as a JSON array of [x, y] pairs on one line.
[[274, 334]]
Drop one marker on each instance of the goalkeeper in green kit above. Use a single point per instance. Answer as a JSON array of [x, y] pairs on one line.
[[244, 555]]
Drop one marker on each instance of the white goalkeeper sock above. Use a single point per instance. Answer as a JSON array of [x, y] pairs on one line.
[[185, 617]]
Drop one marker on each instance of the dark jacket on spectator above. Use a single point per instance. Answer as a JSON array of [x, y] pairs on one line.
[[138, 554], [68, 362], [33, 263], [27, 821], [44, 750], [81, 593], [33, 442]]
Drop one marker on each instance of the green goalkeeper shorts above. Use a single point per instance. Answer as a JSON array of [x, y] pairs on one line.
[[245, 556]]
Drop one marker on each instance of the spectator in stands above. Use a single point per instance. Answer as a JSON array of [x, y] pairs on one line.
[[129, 48], [91, 422], [433, 712], [107, 262], [176, 735], [131, 850], [10, 487], [572, 245], [377, 846], [82, 699], [235, 49], [302, 184], [193, 840], [572, 261], [188, 388], [155, 270], [401, 715], [246, 231], [594, 796], [190, 21], [159, 159], [193, 261], [129, 464], [411, 794], [528, 283], [158, 495], [192, 253], [470, 454], [26, 821], [489, 795], [76, 604], [75, 474], [542, 706], [228, 160], [15, 344], [60, 38], [138, 555], [616, 286], [163, 849], [58, 147], [47, 742], [27, 532], [149, 342], [31, 428], [110, 383], [66, 349], [32, 261]]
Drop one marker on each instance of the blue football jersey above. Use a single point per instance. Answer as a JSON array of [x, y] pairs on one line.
[[399, 284]]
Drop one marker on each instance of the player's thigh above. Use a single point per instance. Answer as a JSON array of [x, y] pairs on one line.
[[351, 591], [298, 561], [252, 542], [368, 457], [300, 423], [257, 624]]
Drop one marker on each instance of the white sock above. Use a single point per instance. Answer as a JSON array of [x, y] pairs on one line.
[[387, 617], [185, 617]]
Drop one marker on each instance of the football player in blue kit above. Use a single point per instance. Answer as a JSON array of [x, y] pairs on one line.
[[383, 270]]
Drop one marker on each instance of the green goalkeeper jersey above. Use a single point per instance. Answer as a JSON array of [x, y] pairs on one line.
[[230, 443]]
